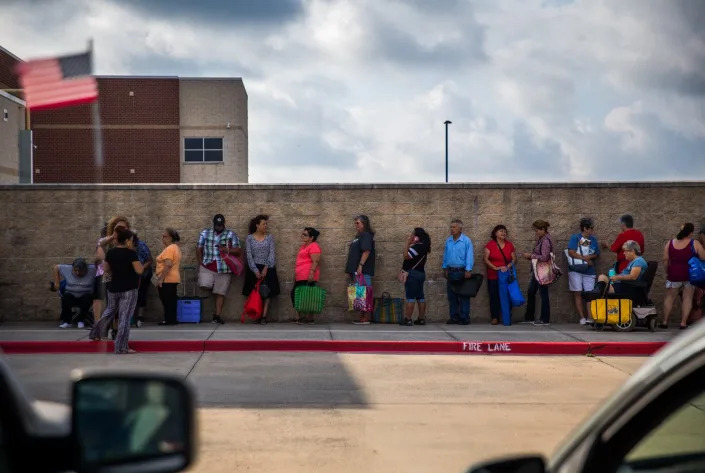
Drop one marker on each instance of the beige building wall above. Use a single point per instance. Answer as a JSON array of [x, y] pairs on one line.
[[215, 108], [26, 257], [12, 117]]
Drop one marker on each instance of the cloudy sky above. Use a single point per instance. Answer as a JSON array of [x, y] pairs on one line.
[[358, 90]]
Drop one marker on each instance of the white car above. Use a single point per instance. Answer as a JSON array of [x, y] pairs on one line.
[[654, 423]]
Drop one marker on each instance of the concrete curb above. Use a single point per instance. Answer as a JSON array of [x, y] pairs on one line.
[[345, 346]]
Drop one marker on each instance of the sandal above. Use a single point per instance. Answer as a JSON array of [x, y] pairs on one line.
[[663, 326], [262, 321], [683, 327]]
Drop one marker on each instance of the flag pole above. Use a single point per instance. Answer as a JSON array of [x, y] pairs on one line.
[[97, 129]]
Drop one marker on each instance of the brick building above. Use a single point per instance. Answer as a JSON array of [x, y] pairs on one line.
[[12, 120], [151, 130]]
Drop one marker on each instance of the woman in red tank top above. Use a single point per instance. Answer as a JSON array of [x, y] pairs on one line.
[[676, 254]]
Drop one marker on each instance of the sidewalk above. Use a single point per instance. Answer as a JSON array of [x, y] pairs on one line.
[[557, 339]]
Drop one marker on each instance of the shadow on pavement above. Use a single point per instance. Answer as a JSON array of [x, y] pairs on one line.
[[276, 380], [221, 379]]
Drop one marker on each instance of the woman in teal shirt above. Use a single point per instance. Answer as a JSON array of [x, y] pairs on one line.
[[635, 270]]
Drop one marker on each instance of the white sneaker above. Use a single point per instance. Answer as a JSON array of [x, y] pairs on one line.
[[583, 321], [139, 323], [65, 325], [81, 325]]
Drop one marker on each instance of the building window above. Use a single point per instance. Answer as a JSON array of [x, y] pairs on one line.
[[203, 150]]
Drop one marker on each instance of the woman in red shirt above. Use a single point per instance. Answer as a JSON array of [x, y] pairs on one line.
[[307, 267], [500, 255]]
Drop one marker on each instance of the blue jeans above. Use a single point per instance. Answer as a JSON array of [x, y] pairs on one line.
[[459, 307], [531, 303]]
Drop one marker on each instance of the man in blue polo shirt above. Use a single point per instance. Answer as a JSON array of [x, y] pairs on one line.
[[458, 260]]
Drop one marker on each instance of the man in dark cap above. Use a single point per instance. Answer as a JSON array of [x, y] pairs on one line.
[[78, 291], [213, 273]]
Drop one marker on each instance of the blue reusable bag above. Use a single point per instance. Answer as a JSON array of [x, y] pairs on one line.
[[696, 271], [515, 295]]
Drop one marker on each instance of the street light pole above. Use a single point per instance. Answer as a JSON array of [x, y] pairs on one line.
[[447, 122]]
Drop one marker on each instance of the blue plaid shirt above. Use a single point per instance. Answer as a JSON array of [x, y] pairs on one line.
[[209, 241], [143, 254]]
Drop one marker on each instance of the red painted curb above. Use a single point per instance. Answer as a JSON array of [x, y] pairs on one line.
[[352, 346], [168, 345], [625, 348], [29, 347]]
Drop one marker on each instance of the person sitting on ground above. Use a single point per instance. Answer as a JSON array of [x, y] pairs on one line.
[[78, 292], [634, 271]]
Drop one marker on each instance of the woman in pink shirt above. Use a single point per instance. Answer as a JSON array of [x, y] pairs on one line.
[[307, 267]]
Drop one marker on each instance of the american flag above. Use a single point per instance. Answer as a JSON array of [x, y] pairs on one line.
[[58, 82]]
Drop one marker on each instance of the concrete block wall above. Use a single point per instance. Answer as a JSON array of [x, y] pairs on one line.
[[49, 224]]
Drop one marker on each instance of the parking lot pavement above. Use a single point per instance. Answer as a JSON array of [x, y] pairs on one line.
[[336, 412]]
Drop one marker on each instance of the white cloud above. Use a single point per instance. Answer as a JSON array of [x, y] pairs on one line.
[[621, 120], [359, 90]]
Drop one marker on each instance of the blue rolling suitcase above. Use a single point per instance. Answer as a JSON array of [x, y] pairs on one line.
[[188, 308]]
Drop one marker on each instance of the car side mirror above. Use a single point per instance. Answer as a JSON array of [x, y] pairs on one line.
[[132, 422], [529, 464]]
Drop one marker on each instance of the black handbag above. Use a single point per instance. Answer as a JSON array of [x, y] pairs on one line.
[[511, 277], [468, 287], [264, 290]]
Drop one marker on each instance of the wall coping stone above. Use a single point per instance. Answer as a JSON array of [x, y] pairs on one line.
[[326, 186]]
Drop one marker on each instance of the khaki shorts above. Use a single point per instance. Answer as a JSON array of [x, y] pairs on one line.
[[218, 282]]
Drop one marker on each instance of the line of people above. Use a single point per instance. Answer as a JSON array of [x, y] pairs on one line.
[[124, 267]]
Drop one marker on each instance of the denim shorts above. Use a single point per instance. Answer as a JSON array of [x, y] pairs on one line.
[[414, 286]]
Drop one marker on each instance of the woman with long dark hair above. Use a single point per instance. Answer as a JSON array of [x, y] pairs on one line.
[[124, 268], [500, 256], [308, 270], [261, 262], [361, 258], [418, 247]]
